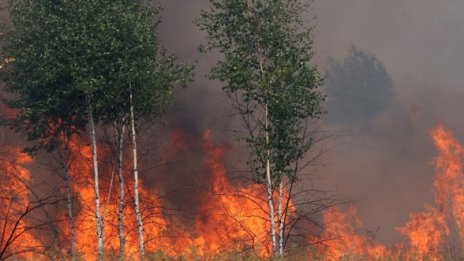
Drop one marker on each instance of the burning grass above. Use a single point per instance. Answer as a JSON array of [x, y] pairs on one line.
[[233, 224]]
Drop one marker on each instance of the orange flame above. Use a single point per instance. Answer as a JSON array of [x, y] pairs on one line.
[[234, 218], [449, 179], [342, 240], [425, 231], [229, 219], [14, 202], [81, 171]]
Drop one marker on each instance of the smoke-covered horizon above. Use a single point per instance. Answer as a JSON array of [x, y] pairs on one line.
[[385, 164]]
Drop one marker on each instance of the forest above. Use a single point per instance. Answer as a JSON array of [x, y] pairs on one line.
[[226, 130]]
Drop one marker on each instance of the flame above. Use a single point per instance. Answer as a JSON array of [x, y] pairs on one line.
[[14, 201], [81, 171], [449, 178], [229, 219], [233, 218], [341, 239], [425, 231]]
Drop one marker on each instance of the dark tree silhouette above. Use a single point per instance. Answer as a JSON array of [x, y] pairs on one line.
[[358, 88]]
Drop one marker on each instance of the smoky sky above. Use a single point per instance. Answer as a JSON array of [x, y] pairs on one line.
[[385, 164]]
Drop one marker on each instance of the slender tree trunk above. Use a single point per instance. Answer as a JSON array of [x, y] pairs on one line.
[[69, 203], [136, 182], [281, 218], [96, 186], [122, 239], [270, 190]]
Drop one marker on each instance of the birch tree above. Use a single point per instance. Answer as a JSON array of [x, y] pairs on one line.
[[266, 67], [158, 99], [147, 77], [76, 62]]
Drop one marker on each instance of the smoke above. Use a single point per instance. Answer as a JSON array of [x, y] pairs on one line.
[[384, 164]]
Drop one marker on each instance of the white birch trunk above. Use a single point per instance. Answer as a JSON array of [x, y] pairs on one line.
[[122, 239], [136, 182], [96, 186], [281, 218], [270, 190]]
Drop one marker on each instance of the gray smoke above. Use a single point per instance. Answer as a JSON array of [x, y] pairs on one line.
[[383, 164]]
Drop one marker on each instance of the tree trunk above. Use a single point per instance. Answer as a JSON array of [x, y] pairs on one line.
[[270, 190], [96, 186], [122, 239], [69, 203], [281, 218], [136, 182]]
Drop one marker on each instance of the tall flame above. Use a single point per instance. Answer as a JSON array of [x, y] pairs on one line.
[[425, 231], [234, 218], [449, 178], [15, 204], [81, 171], [231, 217]]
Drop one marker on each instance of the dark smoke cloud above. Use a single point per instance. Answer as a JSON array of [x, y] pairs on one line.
[[385, 165]]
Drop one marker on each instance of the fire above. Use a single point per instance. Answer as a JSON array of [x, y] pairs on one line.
[[425, 232], [341, 239], [229, 217], [81, 171], [15, 238], [449, 179], [234, 218]]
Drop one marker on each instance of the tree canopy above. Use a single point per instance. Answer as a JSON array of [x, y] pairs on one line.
[[266, 62], [72, 53], [267, 71]]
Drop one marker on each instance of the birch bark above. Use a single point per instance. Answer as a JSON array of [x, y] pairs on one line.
[[122, 239], [136, 181], [281, 218], [98, 216]]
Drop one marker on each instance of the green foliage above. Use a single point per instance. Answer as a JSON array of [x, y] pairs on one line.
[[71, 54], [266, 65]]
